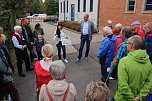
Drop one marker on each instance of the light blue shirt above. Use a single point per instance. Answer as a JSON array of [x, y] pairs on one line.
[[85, 28], [16, 43]]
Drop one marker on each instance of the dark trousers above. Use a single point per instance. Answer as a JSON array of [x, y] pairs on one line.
[[39, 54], [21, 56], [59, 47], [30, 48], [104, 73], [84, 38], [113, 99], [9, 88], [114, 72]]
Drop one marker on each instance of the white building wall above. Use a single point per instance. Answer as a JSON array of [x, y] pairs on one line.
[[78, 15]]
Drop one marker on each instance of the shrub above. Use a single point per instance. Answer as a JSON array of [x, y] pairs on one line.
[[73, 25]]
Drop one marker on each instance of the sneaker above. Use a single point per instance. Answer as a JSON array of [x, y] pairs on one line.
[[78, 60], [111, 78], [86, 58], [66, 61]]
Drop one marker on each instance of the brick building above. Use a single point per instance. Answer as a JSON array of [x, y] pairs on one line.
[[125, 11]]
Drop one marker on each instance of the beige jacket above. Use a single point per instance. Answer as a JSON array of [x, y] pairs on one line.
[[57, 90]]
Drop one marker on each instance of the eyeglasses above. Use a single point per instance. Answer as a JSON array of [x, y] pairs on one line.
[[128, 43]]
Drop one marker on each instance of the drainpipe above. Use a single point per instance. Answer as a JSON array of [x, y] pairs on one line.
[[98, 19]]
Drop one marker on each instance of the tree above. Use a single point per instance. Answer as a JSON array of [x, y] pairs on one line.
[[9, 10], [52, 7]]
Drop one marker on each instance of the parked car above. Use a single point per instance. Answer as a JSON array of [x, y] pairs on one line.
[[38, 16]]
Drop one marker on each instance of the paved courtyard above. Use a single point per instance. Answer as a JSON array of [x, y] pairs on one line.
[[79, 74]]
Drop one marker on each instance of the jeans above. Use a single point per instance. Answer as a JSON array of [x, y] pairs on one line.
[[59, 47], [104, 73], [84, 38]]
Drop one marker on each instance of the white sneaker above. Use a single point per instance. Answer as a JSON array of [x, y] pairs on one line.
[[66, 61]]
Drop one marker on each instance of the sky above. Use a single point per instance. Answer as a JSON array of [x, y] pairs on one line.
[[43, 0]]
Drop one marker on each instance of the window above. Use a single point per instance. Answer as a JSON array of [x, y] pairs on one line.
[[64, 6], [84, 5], [148, 5], [91, 5], [67, 6], [78, 5], [61, 7], [131, 5]]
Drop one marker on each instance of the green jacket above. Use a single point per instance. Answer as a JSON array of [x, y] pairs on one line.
[[134, 76]]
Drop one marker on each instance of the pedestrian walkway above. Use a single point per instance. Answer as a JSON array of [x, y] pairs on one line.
[[79, 74]]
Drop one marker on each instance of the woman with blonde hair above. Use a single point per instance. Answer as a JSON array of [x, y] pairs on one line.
[[42, 66]]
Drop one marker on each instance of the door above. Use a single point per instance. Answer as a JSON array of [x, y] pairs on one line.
[[72, 12]]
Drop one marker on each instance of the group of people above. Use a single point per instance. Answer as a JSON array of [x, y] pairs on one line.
[[125, 54]]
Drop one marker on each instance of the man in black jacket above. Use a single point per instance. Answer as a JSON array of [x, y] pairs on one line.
[[28, 36]]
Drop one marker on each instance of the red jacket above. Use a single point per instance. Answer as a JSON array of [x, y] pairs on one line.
[[140, 32], [118, 42], [42, 76]]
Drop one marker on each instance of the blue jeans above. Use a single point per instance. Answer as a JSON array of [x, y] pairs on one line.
[[84, 38], [113, 99]]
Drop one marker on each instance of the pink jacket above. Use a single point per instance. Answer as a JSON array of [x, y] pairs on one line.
[[57, 89]]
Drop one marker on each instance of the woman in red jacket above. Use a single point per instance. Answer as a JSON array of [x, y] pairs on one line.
[[42, 67]]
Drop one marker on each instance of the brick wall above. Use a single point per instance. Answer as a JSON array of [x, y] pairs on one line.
[[115, 10]]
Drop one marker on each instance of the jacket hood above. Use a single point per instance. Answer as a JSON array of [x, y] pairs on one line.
[[58, 87], [112, 37], [139, 55]]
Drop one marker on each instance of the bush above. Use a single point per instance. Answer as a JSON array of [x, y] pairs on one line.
[[73, 26]]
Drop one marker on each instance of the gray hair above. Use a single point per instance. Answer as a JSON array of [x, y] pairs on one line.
[[107, 30], [97, 91], [17, 28], [57, 70], [127, 31], [136, 41]]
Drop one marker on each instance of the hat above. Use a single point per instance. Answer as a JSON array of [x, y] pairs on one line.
[[118, 25], [16, 28], [135, 23]]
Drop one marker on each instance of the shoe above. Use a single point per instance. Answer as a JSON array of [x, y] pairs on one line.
[[22, 75], [111, 78], [86, 58], [78, 60], [66, 61], [30, 69]]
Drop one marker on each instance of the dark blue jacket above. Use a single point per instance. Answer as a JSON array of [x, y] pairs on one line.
[[106, 50]]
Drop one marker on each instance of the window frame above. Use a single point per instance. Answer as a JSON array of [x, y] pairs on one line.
[[67, 6], [84, 5], [61, 7], [127, 7], [91, 6], [79, 5], [143, 7]]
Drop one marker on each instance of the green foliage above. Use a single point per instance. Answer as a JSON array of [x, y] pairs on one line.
[[9, 10], [52, 7]]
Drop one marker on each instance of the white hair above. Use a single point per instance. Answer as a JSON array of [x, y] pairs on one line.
[[109, 22], [107, 30], [57, 70], [118, 25], [16, 28]]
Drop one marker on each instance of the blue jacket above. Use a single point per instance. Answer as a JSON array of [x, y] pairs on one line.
[[106, 50], [90, 28]]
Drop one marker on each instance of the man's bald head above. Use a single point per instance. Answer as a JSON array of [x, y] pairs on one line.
[[86, 17]]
